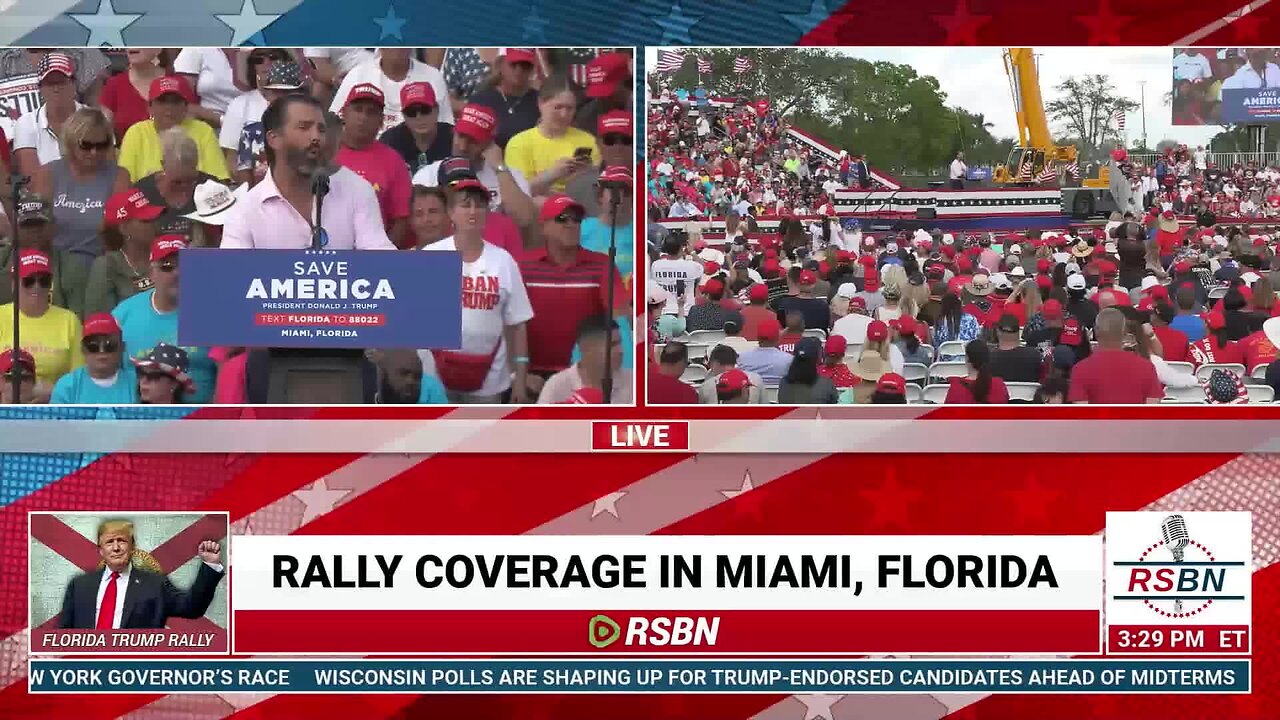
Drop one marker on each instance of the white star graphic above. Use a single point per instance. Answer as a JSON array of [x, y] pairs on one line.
[[747, 487], [105, 27], [318, 500], [608, 504], [818, 707], [247, 24]]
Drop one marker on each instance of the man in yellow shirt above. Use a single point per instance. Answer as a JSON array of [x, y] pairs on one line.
[[50, 333], [554, 150], [170, 98]]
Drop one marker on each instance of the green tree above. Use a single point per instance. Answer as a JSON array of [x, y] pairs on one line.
[[1085, 107]]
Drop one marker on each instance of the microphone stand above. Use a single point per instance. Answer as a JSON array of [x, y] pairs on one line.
[[319, 188], [17, 182], [606, 384]]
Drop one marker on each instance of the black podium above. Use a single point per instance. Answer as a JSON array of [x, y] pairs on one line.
[[295, 376]]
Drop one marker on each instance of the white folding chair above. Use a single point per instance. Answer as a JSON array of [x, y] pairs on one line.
[[694, 374], [949, 369], [915, 373], [934, 394], [816, 332], [771, 394], [1261, 393], [1218, 293], [928, 352], [1259, 372], [1192, 394], [1207, 369], [698, 351], [951, 348], [1022, 391], [710, 338], [1185, 368], [915, 394]]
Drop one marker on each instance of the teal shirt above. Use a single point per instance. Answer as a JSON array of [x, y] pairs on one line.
[[77, 388], [144, 328], [595, 237], [432, 392]]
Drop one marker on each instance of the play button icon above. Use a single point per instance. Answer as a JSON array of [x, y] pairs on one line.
[[602, 631]]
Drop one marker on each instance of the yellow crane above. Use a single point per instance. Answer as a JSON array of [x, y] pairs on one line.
[[1034, 143]]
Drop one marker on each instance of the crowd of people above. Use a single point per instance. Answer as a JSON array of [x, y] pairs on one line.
[[709, 160], [1134, 311], [519, 159], [1187, 182]]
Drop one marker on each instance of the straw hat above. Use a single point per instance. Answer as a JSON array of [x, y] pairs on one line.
[[870, 366]]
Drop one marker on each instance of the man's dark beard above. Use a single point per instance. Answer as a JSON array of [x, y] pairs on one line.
[[299, 162], [388, 396]]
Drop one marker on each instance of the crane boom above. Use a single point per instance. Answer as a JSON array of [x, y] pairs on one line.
[[1024, 79]]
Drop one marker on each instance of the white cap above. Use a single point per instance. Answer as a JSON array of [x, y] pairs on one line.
[[891, 248], [948, 239], [1220, 240], [1149, 282], [1271, 328], [658, 295], [214, 201], [1250, 278], [1109, 247], [922, 236], [1000, 281], [1018, 272], [847, 290], [1015, 248], [1061, 257], [1075, 282], [1073, 269]]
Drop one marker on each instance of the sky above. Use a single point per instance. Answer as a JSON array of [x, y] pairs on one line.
[[974, 79]]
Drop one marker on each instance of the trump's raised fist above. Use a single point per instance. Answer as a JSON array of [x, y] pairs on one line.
[[209, 552]]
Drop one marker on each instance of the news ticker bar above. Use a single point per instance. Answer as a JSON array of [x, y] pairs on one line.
[[844, 677], [835, 431]]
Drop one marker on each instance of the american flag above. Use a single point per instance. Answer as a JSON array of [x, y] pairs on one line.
[[1024, 173], [704, 66], [1049, 173], [1119, 117], [669, 61], [692, 494], [1074, 169], [741, 65]]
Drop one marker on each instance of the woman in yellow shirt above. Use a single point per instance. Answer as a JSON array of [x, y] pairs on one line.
[[170, 99], [50, 333], [554, 150]]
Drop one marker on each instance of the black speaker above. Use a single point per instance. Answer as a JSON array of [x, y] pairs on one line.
[[926, 213]]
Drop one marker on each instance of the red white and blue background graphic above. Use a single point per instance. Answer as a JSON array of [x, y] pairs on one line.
[[943, 471]]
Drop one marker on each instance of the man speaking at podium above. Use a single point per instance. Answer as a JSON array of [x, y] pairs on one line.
[[280, 213], [121, 596]]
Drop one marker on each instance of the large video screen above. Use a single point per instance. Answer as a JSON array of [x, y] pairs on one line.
[[1223, 86]]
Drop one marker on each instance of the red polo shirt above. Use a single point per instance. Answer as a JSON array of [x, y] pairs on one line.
[[562, 297]]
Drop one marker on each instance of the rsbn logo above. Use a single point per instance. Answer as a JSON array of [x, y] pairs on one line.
[[663, 631], [1177, 575]]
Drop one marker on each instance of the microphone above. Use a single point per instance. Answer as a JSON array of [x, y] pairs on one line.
[[1174, 529], [320, 181]]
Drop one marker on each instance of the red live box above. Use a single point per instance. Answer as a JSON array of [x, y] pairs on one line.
[[632, 435]]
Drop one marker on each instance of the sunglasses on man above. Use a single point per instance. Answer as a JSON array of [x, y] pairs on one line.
[[24, 374], [616, 139], [100, 345], [87, 146], [44, 281], [167, 266], [417, 110], [565, 218]]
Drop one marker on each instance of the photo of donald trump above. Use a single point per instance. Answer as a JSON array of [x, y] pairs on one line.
[[129, 589]]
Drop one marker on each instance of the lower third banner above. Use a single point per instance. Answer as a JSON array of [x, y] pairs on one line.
[[641, 676]]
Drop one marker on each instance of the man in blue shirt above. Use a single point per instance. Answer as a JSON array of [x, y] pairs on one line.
[[102, 380], [614, 181], [151, 318], [768, 361]]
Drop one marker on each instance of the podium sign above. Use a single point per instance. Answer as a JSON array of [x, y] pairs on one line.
[[320, 298]]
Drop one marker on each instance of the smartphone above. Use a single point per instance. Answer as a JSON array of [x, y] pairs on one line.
[[582, 154], [679, 288]]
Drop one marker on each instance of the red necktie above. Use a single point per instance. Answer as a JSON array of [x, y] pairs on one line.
[[107, 614]]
